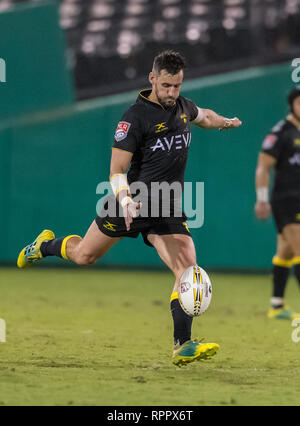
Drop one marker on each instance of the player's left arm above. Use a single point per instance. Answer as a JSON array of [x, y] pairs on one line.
[[208, 119]]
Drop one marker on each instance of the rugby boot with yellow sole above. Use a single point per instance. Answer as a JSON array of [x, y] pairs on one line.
[[283, 314], [32, 253], [193, 350]]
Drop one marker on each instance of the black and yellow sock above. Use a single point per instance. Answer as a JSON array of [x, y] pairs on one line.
[[182, 321], [56, 247], [281, 272], [296, 262]]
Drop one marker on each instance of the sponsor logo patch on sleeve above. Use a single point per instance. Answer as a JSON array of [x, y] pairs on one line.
[[122, 130], [269, 141]]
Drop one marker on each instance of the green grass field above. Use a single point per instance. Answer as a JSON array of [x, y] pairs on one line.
[[93, 337]]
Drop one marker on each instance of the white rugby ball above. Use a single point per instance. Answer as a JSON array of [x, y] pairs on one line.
[[195, 291]]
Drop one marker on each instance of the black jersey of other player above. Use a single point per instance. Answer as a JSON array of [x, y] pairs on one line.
[[158, 137], [284, 145]]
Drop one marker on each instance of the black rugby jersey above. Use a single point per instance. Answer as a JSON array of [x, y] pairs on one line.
[[284, 145], [158, 137]]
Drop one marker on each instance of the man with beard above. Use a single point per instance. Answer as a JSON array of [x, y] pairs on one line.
[[153, 138]]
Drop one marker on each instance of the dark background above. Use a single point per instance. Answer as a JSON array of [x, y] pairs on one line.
[[111, 43]]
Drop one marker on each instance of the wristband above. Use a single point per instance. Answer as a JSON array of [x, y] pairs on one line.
[[262, 194], [118, 183], [126, 201]]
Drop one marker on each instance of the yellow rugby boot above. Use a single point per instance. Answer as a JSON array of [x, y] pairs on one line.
[[282, 313], [193, 350], [32, 252]]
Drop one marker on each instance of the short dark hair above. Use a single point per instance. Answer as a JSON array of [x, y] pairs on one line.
[[292, 96], [170, 60]]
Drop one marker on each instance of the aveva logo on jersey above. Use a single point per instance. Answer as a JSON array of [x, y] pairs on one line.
[[295, 160], [172, 142]]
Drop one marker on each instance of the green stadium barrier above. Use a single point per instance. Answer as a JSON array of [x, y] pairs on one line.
[[52, 162], [33, 48]]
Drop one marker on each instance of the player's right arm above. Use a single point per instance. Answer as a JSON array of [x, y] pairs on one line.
[[262, 181], [120, 161], [127, 139], [271, 151]]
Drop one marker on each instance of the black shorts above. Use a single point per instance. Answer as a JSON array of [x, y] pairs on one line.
[[115, 227], [285, 212]]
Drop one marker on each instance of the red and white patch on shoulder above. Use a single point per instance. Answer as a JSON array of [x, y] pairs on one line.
[[269, 141], [122, 130]]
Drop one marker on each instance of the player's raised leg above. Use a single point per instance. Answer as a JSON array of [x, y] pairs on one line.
[[92, 247], [81, 251], [178, 252]]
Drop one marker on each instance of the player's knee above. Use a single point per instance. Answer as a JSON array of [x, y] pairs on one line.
[[185, 264], [285, 251], [285, 254], [85, 259]]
